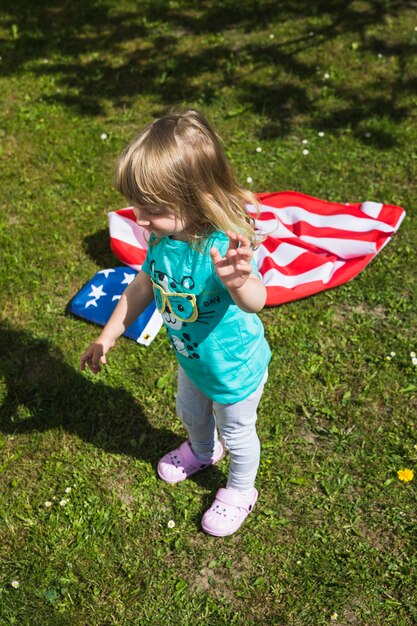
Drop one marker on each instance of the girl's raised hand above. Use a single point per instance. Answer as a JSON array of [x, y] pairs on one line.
[[235, 267]]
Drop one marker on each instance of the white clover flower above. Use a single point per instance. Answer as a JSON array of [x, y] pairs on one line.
[[68, 490], [392, 353], [63, 502], [380, 56], [305, 141], [367, 135], [249, 180], [305, 151], [414, 360], [171, 524], [259, 149], [326, 76], [388, 358], [103, 136], [412, 354], [320, 133], [311, 33], [15, 584], [48, 503], [272, 36]]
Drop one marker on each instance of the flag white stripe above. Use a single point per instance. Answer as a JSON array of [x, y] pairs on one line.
[[343, 221], [372, 209], [343, 248], [324, 273], [127, 231], [151, 329], [284, 254], [274, 228]]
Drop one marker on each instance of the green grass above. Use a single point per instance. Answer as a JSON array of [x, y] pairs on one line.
[[334, 529]]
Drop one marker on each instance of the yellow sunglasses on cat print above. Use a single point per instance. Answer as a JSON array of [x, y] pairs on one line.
[[182, 305]]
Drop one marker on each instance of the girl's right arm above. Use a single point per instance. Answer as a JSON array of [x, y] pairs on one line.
[[136, 297]]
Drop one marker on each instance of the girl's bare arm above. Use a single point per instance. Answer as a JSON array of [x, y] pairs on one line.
[[136, 297]]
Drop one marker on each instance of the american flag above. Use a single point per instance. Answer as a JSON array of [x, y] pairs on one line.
[[310, 244], [96, 301]]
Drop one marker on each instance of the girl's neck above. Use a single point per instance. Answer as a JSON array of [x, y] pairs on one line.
[[182, 236]]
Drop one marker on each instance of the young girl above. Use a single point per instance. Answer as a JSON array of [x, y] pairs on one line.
[[199, 269]]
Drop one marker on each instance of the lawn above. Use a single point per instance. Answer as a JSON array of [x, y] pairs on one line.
[[84, 534]]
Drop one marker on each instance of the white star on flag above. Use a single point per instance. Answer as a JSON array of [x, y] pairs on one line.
[[128, 278], [115, 298], [91, 303], [97, 292], [106, 272]]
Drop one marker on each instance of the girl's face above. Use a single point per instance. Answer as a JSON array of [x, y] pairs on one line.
[[160, 220]]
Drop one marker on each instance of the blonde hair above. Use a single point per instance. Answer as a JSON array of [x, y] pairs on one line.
[[178, 161]]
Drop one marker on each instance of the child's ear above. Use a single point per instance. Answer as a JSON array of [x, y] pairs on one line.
[[187, 282]]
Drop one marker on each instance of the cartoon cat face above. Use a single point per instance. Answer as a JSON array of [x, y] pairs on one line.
[[172, 300]]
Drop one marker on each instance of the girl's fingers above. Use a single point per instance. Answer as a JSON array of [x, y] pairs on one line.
[[215, 255], [238, 252], [239, 239], [85, 359], [92, 358], [244, 267], [231, 234], [244, 241], [245, 253], [240, 244]]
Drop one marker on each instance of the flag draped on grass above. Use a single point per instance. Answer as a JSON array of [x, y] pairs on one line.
[[308, 245], [312, 245]]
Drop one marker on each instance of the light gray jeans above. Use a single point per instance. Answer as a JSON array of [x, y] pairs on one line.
[[237, 425]]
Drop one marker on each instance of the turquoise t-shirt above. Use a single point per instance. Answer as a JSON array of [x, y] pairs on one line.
[[221, 348]]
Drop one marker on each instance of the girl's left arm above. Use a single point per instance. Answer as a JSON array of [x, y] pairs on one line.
[[235, 272]]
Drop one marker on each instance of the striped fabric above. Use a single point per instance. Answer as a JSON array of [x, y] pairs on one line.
[[309, 244]]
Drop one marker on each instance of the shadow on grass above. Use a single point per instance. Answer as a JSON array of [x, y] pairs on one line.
[[42, 392], [97, 246], [97, 51], [39, 392]]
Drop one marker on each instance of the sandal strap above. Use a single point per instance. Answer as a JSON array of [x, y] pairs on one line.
[[188, 455], [234, 498]]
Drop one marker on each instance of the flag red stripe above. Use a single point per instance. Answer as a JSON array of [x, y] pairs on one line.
[[131, 255]]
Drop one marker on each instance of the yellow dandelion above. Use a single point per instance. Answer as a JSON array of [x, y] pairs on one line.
[[405, 475]]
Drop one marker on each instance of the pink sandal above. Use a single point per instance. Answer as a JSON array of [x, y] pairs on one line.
[[228, 512], [182, 463]]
